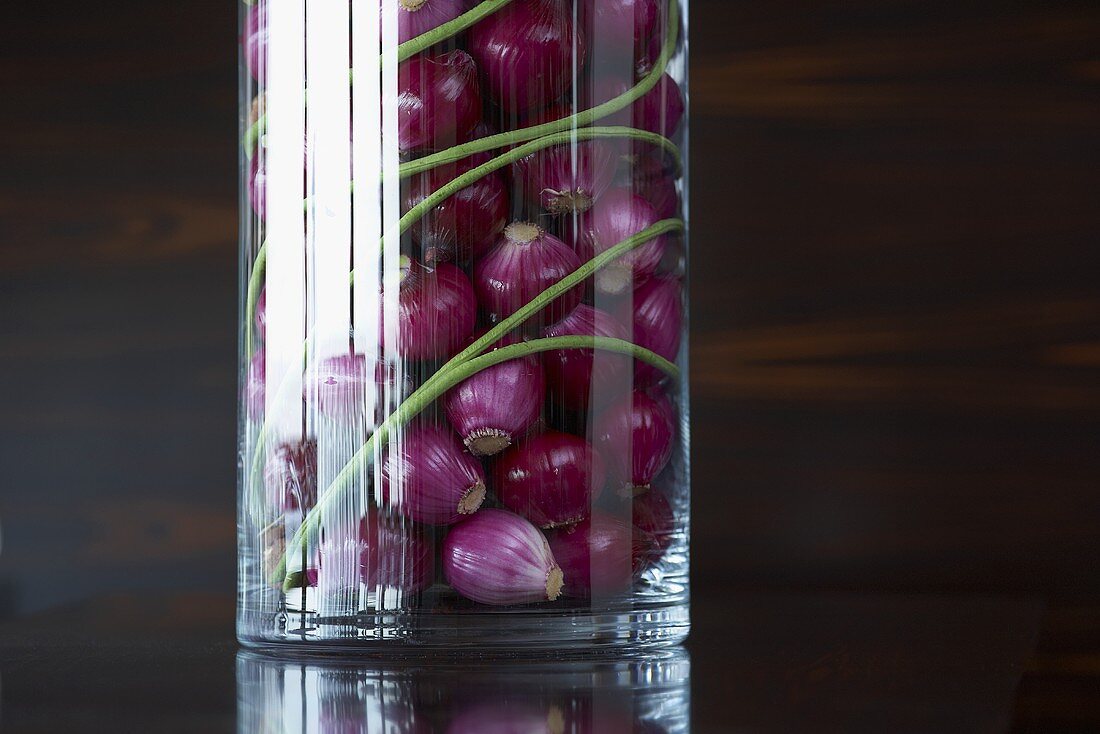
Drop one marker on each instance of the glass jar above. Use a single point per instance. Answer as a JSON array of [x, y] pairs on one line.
[[649, 694], [463, 414]]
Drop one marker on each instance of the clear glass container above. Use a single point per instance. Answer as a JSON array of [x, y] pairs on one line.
[[463, 320], [649, 694]]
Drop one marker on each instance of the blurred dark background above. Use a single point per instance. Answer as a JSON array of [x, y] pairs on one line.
[[896, 324]]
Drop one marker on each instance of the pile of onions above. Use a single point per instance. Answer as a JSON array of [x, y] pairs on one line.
[[528, 479]]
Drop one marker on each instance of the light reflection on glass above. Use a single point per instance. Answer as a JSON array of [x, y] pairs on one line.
[[648, 693]]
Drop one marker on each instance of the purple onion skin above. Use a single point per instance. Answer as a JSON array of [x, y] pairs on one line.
[[621, 27], [660, 191], [657, 314], [439, 482], [497, 405], [525, 261], [255, 386], [617, 216], [437, 312], [339, 387], [416, 17], [661, 109], [255, 41], [439, 100], [635, 436], [496, 557], [567, 179], [652, 513], [551, 479], [290, 475], [579, 376], [394, 556], [601, 556], [526, 52], [465, 225]]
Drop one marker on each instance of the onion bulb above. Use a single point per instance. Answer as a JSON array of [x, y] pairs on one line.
[[497, 557]]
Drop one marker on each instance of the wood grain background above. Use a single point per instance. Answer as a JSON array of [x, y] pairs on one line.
[[896, 315]]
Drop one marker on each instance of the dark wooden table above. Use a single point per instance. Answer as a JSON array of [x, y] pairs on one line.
[[784, 663], [896, 352]]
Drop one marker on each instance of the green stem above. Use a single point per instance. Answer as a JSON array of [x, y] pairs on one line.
[[255, 285], [578, 120], [252, 135], [423, 397]]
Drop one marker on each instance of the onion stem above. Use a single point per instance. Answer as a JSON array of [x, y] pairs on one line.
[[255, 285]]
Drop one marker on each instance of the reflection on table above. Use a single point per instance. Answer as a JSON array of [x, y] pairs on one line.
[[647, 693]]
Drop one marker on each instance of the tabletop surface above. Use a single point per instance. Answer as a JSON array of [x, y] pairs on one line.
[[784, 663]]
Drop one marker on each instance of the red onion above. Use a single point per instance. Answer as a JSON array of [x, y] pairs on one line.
[[439, 100], [394, 556], [438, 311], [465, 224], [525, 262], [623, 28], [496, 557], [551, 479], [339, 386], [497, 405], [429, 477], [619, 215], [661, 109], [416, 17], [255, 41], [528, 52], [255, 385], [601, 555], [660, 191], [657, 316], [652, 513], [290, 475], [567, 178], [578, 375], [634, 435]]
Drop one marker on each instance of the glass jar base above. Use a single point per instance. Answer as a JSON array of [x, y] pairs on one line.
[[405, 633]]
